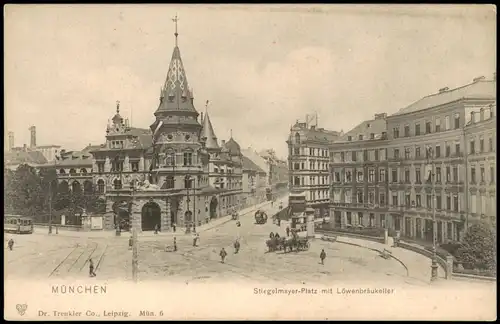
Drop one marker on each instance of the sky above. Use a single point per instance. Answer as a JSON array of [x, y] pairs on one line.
[[262, 67]]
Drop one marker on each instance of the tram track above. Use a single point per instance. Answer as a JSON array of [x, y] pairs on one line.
[[76, 259]]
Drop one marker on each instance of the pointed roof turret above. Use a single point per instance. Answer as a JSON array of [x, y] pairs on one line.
[[207, 132], [117, 119]]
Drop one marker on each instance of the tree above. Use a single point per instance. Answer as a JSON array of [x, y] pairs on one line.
[[24, 192], [479, 248]]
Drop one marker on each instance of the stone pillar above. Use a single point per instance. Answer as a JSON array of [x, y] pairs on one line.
[[449, 267], [332, 218], [166, 220], [422, 228], [136, 217], [343, 217], [386, 236]]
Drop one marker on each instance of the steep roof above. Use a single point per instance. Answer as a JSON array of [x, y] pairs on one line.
[[208, 133], [25, 157], [233, 147], [175, 94], [480, 89], [366, 128], [82, 158], [249, 165], [255, 158]]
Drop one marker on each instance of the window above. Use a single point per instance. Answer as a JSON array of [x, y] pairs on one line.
[[481, 144], [359, 197], [473, 175], [134, 166], [381, 177], [457, 121], [490, 144], [342, 157], [360, 137], [170, 182], [188, 182], [473, 200], [448, 174], [438, 202], [417, 152], [360, 218], [297, 138], [382, 220], [438, 151], [394, 175], [296, 166], [447, 123], [100, 186], [492, 174], [347, 196], [382, 199], [296, 151], [407, 130], [302, 166], [417, 129], [457, 149], [371, 197], [365, 155], [337, 177], [418, 199], [472, 147], [349, 218], [395, 132], [100, 167], [418, 176], [395, 199], [407, 200], [372, 135], [188, 159], [117, 184], [407, 175], [455, 173], [429, 201], [376, 155], [438, 174], [296, 181], [348, 176], [482, 174], [396, 153], [455, 203], [360, 176], [447, 150], [371, 175], [438, 124], [448, 202], [116, 166], [428, 127], [407, 153], [353, 156], [349, 138]]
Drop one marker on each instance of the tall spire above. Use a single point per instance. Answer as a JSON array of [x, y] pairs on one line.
[[175, 20], [207, 132]]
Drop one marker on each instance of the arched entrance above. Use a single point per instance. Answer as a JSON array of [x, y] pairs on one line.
[[213, 207], [151, 216], [122, 215], [188, 218]]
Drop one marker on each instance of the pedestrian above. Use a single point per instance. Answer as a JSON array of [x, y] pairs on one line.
[[156, 229], [236, 246], [279, 221], [238, 224], [173, 227], [287, 231], [222, 254], [322, 256], [175, 244], [11, 244], [130, 243], [91, 268]]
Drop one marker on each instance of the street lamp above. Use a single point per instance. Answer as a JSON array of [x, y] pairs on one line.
[[430, 167], [118, 217], [187, 182]]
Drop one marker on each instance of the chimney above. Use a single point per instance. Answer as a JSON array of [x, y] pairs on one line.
[[33, 137], [478, 79], [443, 89], [11, 141]]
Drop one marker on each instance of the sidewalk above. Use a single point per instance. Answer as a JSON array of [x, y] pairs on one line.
[[419, 266], [180, 230]]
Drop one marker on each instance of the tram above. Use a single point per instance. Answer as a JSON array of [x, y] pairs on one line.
[[18, 224]]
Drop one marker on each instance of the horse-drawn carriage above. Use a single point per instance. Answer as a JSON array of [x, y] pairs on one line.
[[282, 243], [260, 217]]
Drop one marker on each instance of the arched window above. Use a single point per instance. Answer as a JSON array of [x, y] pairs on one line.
[[100, 186], [117, 184], [61, 171], [170, 182], [297, 138], [72, 171], [170, 158], [83, 170]]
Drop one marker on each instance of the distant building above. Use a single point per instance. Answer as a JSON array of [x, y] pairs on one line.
[[308, 164]]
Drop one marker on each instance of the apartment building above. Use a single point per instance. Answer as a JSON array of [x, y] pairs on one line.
[[308, 160], [359, 171]]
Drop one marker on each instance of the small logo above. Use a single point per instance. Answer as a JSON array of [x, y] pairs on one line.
[[21, 308]]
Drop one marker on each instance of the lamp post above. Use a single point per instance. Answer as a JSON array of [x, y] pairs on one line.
[[118, 217], [430, 165], [187, 182]]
